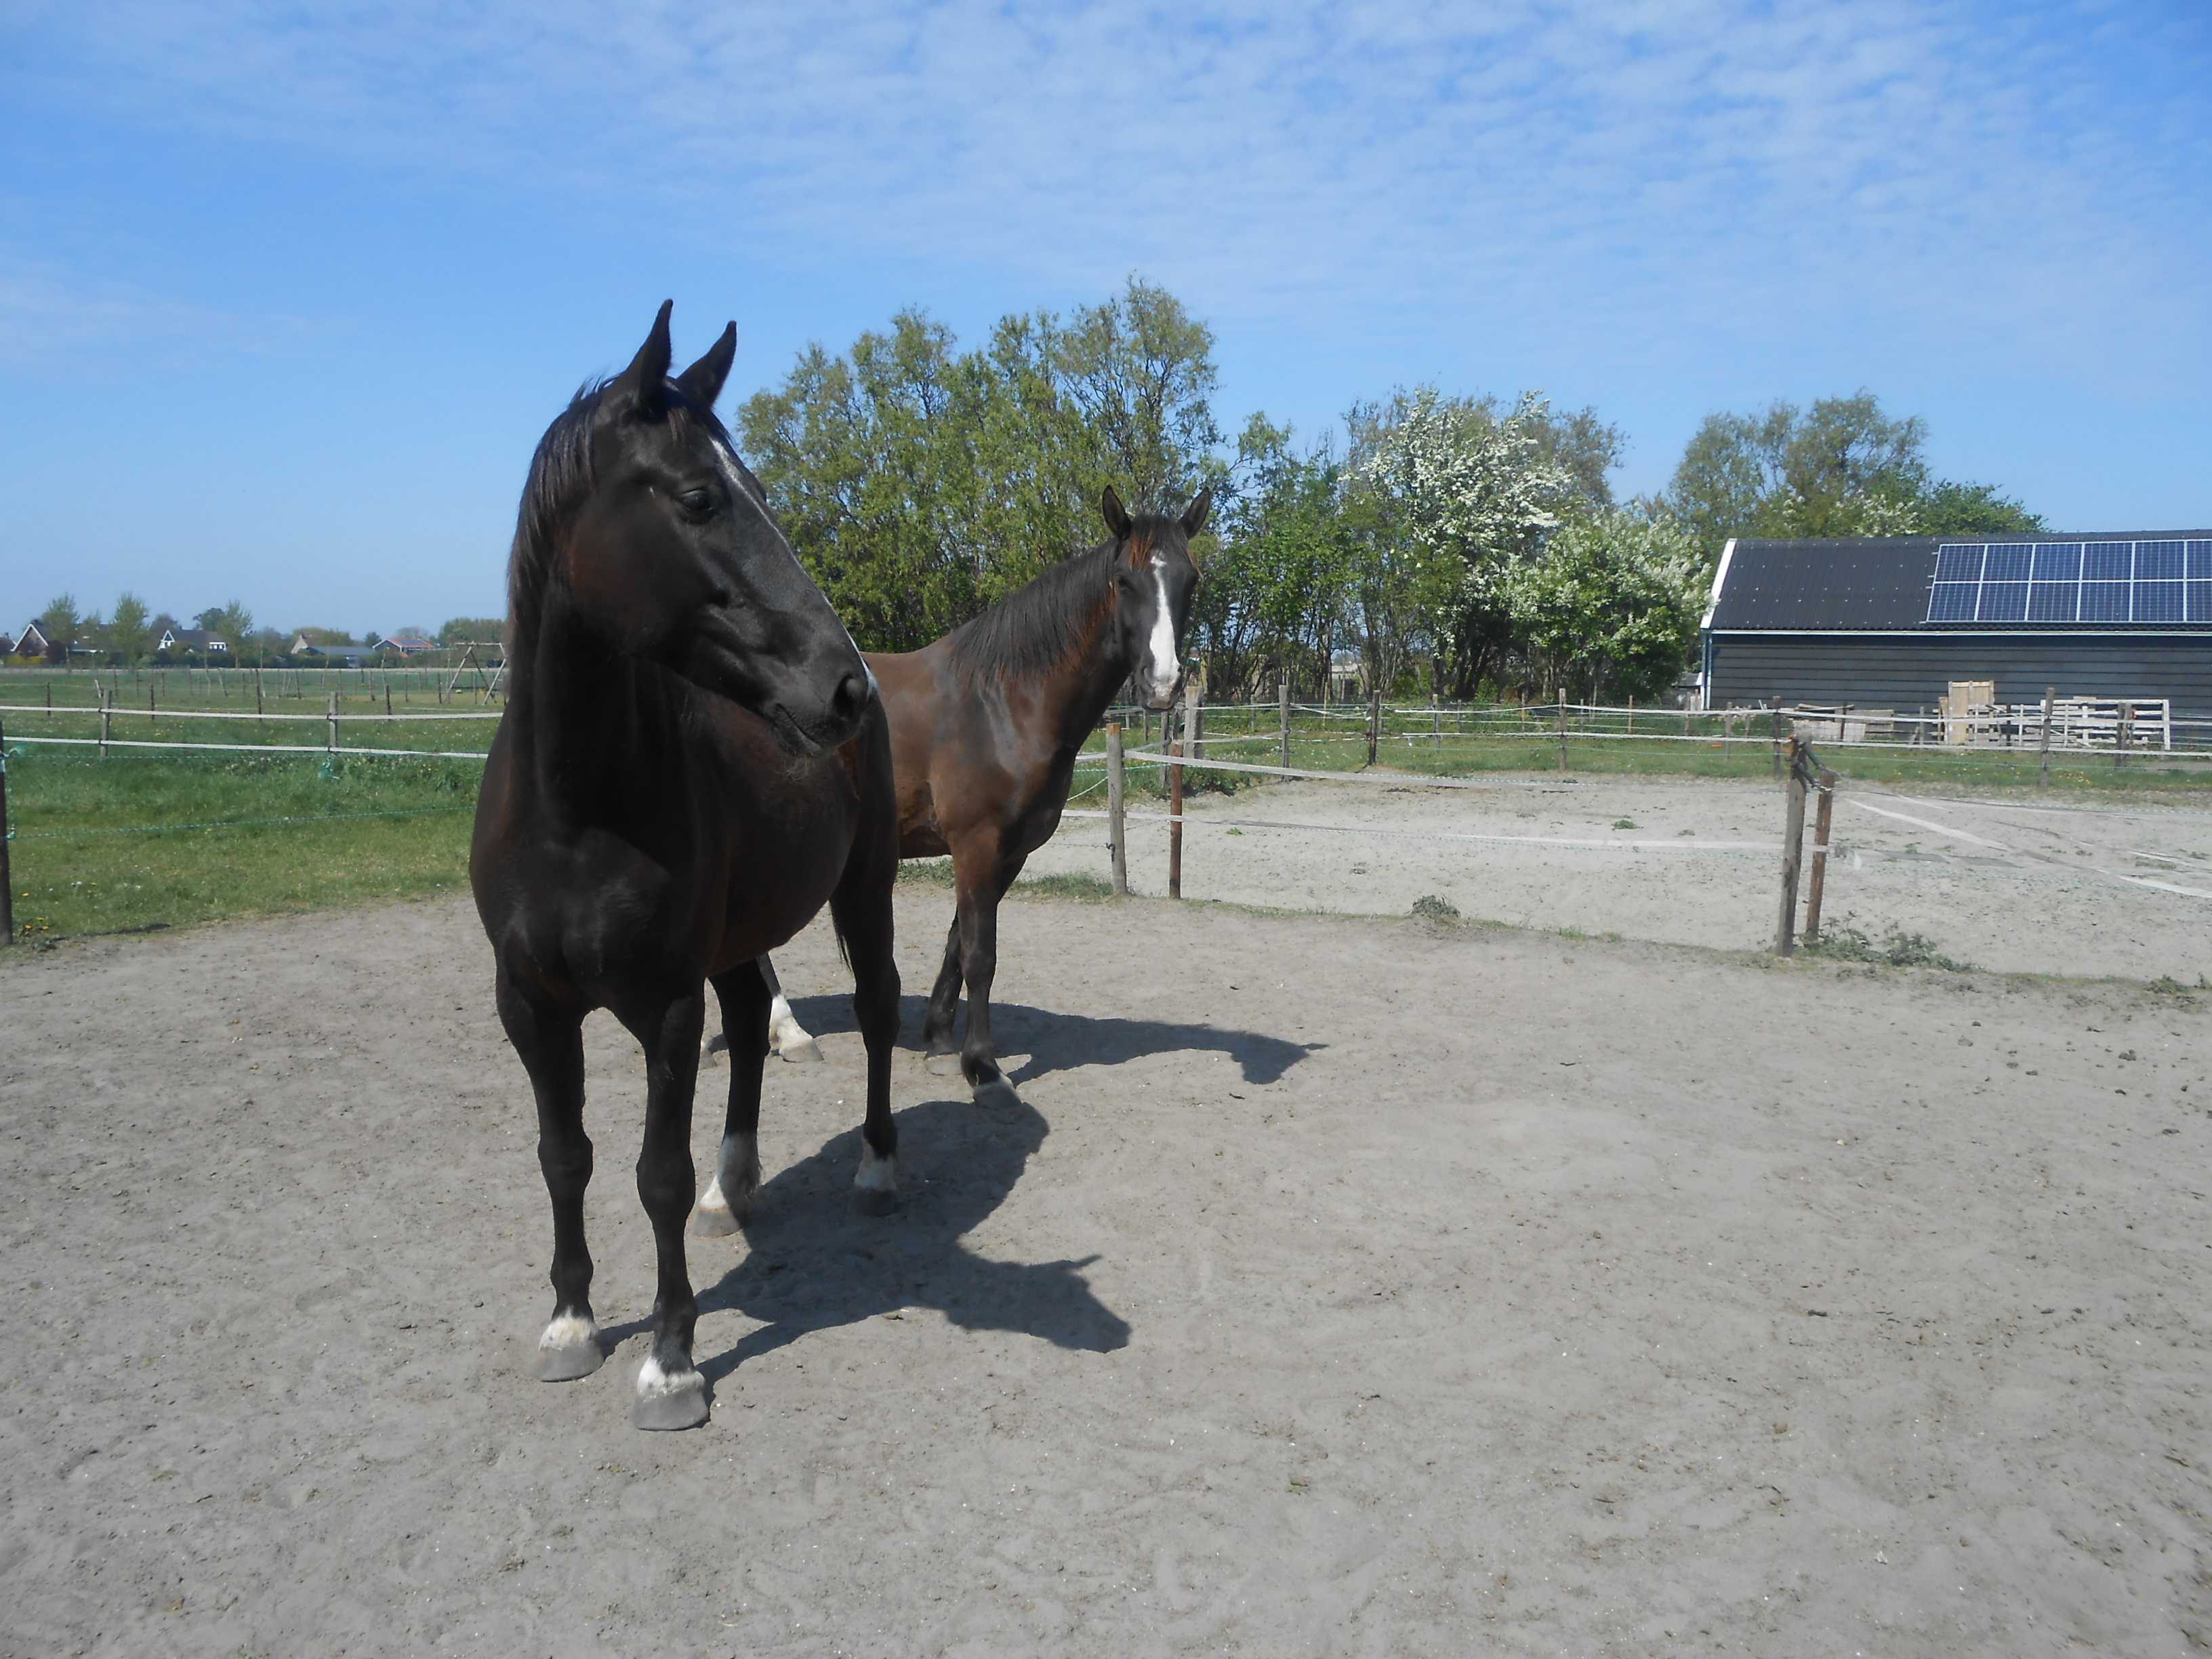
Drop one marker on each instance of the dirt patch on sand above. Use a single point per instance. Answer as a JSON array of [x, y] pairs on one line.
[[1339, 1287]]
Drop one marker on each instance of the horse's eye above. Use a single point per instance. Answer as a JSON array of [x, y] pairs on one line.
[[696, 501]]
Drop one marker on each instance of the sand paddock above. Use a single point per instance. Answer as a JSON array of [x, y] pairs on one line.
[[1337, 1287]]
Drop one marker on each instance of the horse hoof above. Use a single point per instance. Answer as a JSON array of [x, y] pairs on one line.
[[569, 1349], [944, 1064], [804, 1051], [668, 1400], [996, 1091], [718, 1223], [875, 1202]]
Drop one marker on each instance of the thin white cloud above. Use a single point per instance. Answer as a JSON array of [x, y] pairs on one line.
[[1661, 174], [53, 318]]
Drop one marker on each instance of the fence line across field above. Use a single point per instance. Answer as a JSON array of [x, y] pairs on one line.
[[256, 748], [172, 713]]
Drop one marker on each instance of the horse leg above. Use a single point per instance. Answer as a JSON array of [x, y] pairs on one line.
[[979, 932], [550, 1041], [671, 1392], [744, 994], [945, 997], [862, 912], [790, 1040]]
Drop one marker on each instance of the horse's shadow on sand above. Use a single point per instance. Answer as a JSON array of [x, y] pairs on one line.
[[1058, 1042], [812, 1265]]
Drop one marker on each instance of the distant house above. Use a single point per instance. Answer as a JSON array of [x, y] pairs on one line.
[[31, 642], [406, 645], [350, 655], [197, 640]]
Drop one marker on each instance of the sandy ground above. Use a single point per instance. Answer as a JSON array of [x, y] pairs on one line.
[[2024, 886], [1339, 1287]]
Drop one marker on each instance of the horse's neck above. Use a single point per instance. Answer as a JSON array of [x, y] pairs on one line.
[[1094, 673], [575, 711]]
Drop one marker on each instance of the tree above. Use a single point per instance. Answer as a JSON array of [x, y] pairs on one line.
[[460, 629], [61, 625], [1449, 496], [1964, 509], [920, 484], [1613, 604], [126, 629], [1272, 593], [232, 623], [1841, 468], [1141, 370]]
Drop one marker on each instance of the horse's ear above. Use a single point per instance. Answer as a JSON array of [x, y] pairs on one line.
[[702, 381], [1116, 515], [1194, 518], [647, 377]]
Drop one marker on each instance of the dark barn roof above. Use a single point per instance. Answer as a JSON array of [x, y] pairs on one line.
[[1797, 587], [1848, 622], [1872, 585]]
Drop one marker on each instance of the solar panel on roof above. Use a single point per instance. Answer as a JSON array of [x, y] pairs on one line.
[[2109, 581]]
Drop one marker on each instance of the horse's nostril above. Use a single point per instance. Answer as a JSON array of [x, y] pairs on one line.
[[851, 698]]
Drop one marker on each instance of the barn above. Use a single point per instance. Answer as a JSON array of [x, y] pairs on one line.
[[1894, 621]]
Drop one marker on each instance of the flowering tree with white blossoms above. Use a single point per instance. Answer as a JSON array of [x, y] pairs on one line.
[[1454, 498], [1612, 607]]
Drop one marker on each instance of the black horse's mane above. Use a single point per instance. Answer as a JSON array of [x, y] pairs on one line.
[[560, 479], [1039, 624]]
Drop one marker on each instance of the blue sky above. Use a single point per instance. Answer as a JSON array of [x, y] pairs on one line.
[[287, 293]]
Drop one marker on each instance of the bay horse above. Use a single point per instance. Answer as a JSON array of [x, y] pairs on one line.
[[986, 723], [693, 758]]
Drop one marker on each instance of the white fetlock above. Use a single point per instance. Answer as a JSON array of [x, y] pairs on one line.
[[875, 1188], [729, 1197], [786, 1035], [668, 1400], [568, 1349]]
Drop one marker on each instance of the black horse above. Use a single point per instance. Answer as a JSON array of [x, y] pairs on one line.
[[986, 723], [693, 759]]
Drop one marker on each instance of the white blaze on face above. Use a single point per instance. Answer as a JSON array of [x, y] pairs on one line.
[[1163, 641]]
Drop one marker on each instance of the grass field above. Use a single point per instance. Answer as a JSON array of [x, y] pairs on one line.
[[130, 842], [142, 838]]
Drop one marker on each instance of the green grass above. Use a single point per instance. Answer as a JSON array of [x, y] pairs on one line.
[[1899, 950], [132, 843]]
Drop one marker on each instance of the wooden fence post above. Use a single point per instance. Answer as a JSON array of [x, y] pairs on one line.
[[107, 718], [1374, 723], [1117, 823], [1283, 691], [1819, 875], [1778, 743], [1563, 730], [2043, 768], [333, 719], [1175, 805], [2125, 732], [7, 876], [1793, 850]]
